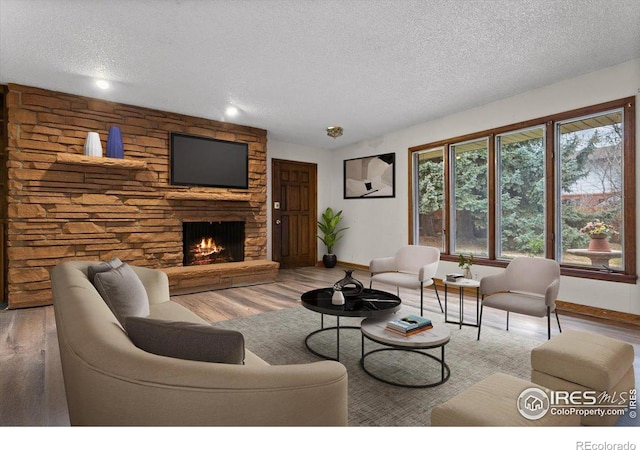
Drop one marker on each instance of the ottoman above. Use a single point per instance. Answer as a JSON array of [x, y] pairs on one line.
[[582, 361], [494, 402]]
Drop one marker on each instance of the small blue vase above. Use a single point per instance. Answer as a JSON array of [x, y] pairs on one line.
[[115, 148]]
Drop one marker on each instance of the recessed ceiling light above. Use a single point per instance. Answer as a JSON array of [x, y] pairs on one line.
[[102, 84], [231, 111]]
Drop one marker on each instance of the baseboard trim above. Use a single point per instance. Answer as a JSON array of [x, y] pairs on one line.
[[598, 313]]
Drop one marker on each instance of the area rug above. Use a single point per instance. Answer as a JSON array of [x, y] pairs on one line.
[[278, 338]]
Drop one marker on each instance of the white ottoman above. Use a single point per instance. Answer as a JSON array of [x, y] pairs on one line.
[[494, 402], [581, 361]]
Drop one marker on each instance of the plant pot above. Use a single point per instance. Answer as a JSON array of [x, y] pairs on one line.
[[599, 243], [330, 261]]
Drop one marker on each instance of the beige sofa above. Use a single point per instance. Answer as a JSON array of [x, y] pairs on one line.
[[109, 381]]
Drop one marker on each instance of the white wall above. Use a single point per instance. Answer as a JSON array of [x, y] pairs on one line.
[[379, 226], [293, 152]]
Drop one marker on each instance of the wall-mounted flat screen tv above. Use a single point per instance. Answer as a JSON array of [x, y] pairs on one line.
[[200, 161]]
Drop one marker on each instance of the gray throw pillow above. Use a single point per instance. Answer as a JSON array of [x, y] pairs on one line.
[[102, 267], [186, 340], [123, 292]]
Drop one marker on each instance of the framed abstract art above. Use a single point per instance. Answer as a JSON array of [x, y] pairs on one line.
[[370, 177]]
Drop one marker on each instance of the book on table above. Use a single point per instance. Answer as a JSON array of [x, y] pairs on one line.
[[453, 277], [412, 332], [409, 323]]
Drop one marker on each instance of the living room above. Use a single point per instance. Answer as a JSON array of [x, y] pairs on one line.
[[98, 213]]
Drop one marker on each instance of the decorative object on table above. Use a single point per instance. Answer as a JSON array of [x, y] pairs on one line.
[[409, 325], [465, 263], [115, 147], [599, 231], [354, 286], [92, 145], [328, 225], [370, 177], [338, 297], [453, 277]]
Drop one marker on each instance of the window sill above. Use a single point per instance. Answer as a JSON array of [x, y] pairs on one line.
[[569, 271]]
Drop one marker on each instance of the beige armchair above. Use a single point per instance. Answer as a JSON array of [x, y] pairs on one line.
[[412, 267], [527, 286]]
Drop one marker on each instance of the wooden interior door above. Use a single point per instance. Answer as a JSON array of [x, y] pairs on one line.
[[294, 212]]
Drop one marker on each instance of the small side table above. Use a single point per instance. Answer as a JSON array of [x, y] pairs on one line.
[[461, 284]]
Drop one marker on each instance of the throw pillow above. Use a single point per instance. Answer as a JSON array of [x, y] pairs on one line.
[[186, 340], [102, 267], [123, 292]]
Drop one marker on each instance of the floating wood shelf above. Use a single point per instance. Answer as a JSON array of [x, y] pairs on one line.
[[73, 158], [209, 196]]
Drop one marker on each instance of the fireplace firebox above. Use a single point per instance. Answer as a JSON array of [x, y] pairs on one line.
[[212, 242]]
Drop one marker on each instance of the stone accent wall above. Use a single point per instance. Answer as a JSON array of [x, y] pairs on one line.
[[61, 210]]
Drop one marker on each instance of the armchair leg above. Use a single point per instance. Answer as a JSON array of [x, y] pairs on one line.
[[558, 320], [507, 320], [421, 296], [370, 283], [438, 296], [548, 323], [480, 319]]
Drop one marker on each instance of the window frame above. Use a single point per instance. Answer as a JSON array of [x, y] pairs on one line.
[[628, 275], [451, 204], [497, 246]]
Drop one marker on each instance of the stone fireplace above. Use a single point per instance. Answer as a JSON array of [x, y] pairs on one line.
[[63, 205], [212, 242]]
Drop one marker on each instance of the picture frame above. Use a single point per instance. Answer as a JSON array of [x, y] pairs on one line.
[[370, 177]]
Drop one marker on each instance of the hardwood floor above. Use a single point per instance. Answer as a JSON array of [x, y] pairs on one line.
[[31, 386]]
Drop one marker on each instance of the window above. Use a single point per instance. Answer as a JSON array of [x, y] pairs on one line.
[[533, 189], [590, 185], [429, 220], [521, 193], [469, 214]]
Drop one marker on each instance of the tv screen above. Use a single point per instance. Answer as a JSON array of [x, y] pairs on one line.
[[200, 161]]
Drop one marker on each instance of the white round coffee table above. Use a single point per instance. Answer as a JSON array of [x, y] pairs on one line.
[[375, 330]]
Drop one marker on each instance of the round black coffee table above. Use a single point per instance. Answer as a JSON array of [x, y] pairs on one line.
[[369, 303]]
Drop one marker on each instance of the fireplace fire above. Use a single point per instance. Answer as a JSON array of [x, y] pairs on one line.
[[208, 252], [212, 242]]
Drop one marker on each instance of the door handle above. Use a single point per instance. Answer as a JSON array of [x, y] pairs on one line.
[[278, 221]]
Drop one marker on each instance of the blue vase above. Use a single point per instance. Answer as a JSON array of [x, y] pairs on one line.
[[115, 148]]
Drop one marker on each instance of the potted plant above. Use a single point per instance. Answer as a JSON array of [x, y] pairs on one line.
[[328, 225], [598, 231], [465, 262]]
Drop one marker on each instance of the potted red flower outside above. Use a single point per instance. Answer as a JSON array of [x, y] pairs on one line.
[[599, 231]]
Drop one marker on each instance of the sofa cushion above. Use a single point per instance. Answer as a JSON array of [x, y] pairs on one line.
[[123, 292], [102, 267], [186, 340]]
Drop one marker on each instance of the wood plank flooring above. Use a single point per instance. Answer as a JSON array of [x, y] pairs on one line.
[[31, 385]]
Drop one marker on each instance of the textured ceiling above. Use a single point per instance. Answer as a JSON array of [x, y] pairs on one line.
[[295, 67]]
